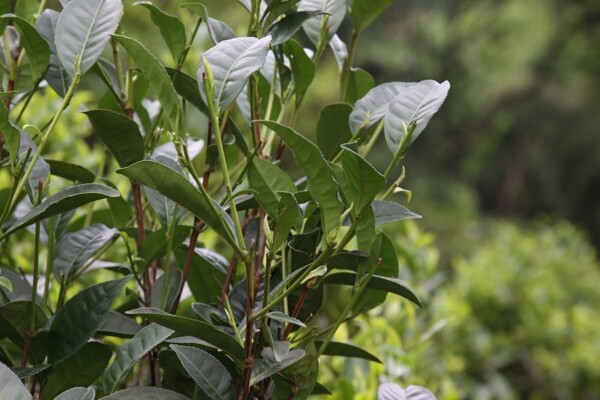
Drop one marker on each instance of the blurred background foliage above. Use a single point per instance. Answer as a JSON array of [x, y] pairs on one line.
[[510, 288]]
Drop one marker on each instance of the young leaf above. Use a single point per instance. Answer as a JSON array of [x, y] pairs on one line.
[[387, 212], [366, 11], [11, 386], [82, 31], [120, 134], [77, 393], [26, 8], [67, 199], [75, 249], [283, 30], [232, 62], [212, 377], [417, 103], [333, 129], [155, 74], [392, 391], [174, 186], [35, 46], [347, 350], [267, 180], [80, 369], [171, 28], [195, 328], [217, 30], [336, 10], [76, 322], [374, 105], [146, 393], [131, 352], [321, 183], [56, 75]]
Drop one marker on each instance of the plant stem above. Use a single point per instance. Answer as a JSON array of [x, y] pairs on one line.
[[348, 66], [49, 263]]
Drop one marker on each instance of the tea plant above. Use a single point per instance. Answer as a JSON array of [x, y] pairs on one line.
[[208, 260]]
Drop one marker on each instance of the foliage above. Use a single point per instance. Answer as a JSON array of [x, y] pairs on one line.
[[180, 259]]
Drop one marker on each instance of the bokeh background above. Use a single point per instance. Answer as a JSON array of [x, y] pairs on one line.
[[507, 177]]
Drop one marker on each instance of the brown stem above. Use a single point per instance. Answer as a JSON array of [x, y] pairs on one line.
[[296, 312], [26, 347], [189, 257]]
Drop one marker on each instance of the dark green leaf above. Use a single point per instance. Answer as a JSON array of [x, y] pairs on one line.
[[28, 372], [56, 75], [286, 218], [303, 68], [12, 136], [359, 84], [15, 319], [171, 28], [266, 180], [232, 62], [195, 328], [82, 31], [347, 350], [387, 212], [4, 9], [333, 129], [212, 377], [116, 324], [35, 46], [175, 279], [80, 369], [120, 134], [77, 393], [21, 289], [267, 365], [391, 285], [336, 10], [131, 352], [321, 184], [146, 393], [174, 186], [366, 11], [75, 249], [155, 74], [41, 170], [11, 386], [283, 30], [206, 274], [67, 199], [155, 244], [77, 321], [364, 181], [120, 209], [187, 87], [73, 172]]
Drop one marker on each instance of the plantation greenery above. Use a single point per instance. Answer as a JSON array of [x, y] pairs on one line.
[[168, 254]]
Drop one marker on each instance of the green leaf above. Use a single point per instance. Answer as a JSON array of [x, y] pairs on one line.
[[359, 84], [336, 10], [175, 279], [6, 283], [217, 30], [340, 51], [26, 8], [155, 244], [392, 391], [15, 320], [73, 172], [286, 218], [67, 199], [56, 75], [35, 46], [347, 350], [187, 87], [303, 68], [77, 393], [155, 74], [75, 249], [12, 136], [364, 12], [11, 386], [195, 328], [386, 284], [146, 393], [387, 212], [374, 105], [417, 103], [232, 62], [206, 274], [21, 289], [120, 134], [80, 369], [174, 186], [266, 180], [117, 324], [82, 31], [364, 181], [4, 9], [77, 321], [212, 377], [333, 129], [267, 365], [171, 28], [283, 317], [41, 170], [321, 184], [131, 352], [283, 30]]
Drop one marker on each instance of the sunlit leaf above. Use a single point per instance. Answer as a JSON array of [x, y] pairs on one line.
[[336, 10]]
